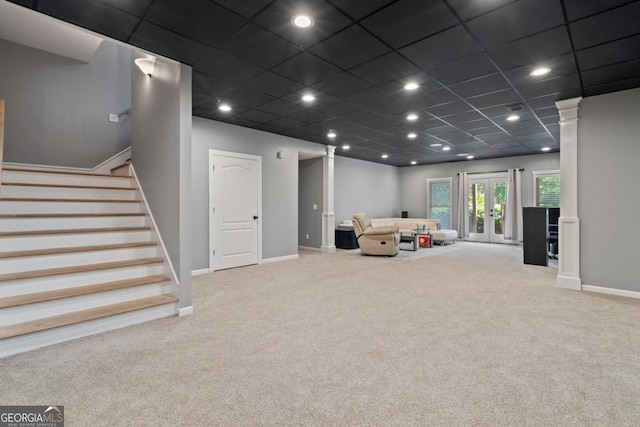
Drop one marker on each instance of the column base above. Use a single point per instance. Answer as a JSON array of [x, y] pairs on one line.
[[567, 282], [328, 249]]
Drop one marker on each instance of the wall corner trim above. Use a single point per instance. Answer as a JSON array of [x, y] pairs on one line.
[[185, 311]]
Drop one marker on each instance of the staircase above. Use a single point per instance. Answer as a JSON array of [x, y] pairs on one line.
[[78, 256]]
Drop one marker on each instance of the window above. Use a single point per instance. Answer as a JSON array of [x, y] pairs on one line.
[[546, 188], [439, 198]]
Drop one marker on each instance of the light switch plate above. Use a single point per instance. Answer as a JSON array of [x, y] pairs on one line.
[[113, 118]]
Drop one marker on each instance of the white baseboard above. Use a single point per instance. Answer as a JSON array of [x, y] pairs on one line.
[[278, 259], [185, 311], [309, 248], [200, 272], [568, 282], [611, 291]]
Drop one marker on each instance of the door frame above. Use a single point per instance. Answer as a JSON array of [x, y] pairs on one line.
[[212, 154], [489, 177]]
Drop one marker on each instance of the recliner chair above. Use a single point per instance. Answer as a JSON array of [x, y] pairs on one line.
[[375, 241]]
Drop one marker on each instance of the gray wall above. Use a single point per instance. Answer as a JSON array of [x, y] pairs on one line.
[[413, 179], [365, 187], [160, 145], [279, 184], [309, 194], [57, 108], [608, 196]]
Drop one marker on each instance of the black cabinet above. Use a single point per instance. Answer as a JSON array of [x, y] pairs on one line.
[[539, 234]]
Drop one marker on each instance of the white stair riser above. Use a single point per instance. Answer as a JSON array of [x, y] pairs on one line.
[[20, 207], [23, 243], [36, 340], [29, 312], [30, 224], [41, 262], [41, 284], [65, 179], [66, 193]]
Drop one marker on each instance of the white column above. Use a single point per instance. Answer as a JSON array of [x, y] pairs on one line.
[[328, 215], [569, 224]]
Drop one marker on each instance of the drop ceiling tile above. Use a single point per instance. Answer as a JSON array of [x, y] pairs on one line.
[[358, 9], [226, 67], [363, 116], [371, 96], [550, 86], [612, 86], [306, 68], [244, 8], [199, 98], [287, 123], [258, 116], [272, 84], [500, 98], [343, 84], [383, 124], [612, 25], [334, 106], [612, 73], [210, 85], [258, 46], [532, 50], [247, 97], [134, 7], [169, 44], [469, 67], [480, 86], [441, 48], [577, 9], [282, 108], [469, 116], [386, 68], [98, 17], [309, 116], [338, 49], [560, 66], [192, 19], [516, 20], [470, 9], [406, 21], [327, 21], [25, 3], [609, 53]]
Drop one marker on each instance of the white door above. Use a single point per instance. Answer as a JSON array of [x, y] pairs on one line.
[[235, 210], [487, 205]]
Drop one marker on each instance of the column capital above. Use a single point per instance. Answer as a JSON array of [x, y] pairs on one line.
[[568, 108], [331, 150]]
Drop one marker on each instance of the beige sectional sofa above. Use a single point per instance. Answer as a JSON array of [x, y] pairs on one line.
[[407, 225]]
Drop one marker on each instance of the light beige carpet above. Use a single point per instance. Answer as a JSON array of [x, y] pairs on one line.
[[467, 337]]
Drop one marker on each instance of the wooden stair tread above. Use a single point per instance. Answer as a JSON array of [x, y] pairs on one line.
[[93, 187], [63, 172], [36, 199], [78, 269], [79, 290], [74, 249], [71, 215], [127, 163], [72, 231], [83, 316]]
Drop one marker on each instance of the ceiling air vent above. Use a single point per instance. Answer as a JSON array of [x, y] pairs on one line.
[[515, 107]]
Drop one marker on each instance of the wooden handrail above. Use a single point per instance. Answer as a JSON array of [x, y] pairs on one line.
[[1, 136]]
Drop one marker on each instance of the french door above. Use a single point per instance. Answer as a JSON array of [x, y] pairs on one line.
[[487, 205]]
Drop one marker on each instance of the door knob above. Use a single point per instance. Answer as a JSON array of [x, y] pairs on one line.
[[255, 217]]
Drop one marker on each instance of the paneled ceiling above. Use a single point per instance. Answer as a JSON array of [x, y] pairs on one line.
[[472, 60]]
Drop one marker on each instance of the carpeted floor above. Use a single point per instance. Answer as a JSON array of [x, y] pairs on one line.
[[465, 337]]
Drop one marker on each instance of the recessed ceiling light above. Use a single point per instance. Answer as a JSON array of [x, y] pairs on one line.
[[446, 148], [413, 162], [435, 144], [224, 107], [470, 156], [302, 21], [308, 98], [513, 118], [411, 117], [346, 147], [331, 134], [411, 86], [545, 148], [462, 154], [540, 71], [412, 135], [384, 156]]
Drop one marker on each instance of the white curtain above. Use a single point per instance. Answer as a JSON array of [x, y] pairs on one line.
[[513, 209], [463, 222]]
